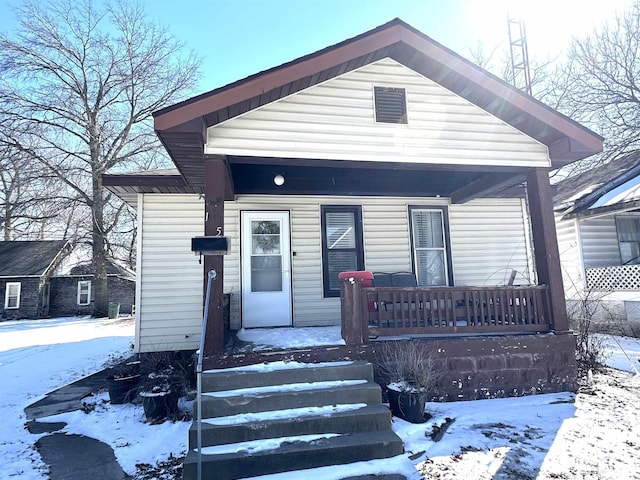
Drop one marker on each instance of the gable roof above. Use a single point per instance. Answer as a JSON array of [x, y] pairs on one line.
[[31, 258], [608, 188], [182, 127], [87, 269]]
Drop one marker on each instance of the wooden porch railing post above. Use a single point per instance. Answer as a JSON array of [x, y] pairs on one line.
[[351, 311]]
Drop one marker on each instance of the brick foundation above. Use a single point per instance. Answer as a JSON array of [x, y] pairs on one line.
[[474, 367]]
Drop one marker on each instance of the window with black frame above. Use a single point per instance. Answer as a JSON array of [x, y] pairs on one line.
[[342, 246]]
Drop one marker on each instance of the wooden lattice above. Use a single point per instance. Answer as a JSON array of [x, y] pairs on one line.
[[623, 277]]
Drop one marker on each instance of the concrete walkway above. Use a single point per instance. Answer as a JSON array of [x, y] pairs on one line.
[[72, 457]]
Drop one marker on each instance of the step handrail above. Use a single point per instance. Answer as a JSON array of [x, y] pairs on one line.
[[211, 275]]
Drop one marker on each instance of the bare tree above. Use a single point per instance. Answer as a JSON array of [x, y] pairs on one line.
[[28, 199], [600, 85], [82, 79]]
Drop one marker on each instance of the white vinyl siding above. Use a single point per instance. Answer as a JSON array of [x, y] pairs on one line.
[[84, 292], [570, 256], [487, 242], [170, 279], [12, 295], [335, 120]]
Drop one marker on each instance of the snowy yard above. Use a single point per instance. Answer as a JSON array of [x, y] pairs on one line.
[[592, 435]]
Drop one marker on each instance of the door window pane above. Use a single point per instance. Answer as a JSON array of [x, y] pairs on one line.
[[265, 237], [266, 273]]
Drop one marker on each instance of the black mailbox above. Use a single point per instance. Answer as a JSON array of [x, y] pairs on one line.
[[210, 245]]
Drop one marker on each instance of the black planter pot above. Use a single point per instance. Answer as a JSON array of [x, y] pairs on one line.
[[408, 405], [158, 406], [123, 389]]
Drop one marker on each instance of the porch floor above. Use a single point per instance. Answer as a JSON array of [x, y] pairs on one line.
[[283, 338]]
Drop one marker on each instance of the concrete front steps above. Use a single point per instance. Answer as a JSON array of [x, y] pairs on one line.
[[282, 417]]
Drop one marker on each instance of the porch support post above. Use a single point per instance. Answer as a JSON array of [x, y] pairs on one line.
[[545, 244], [352, 329], [214, 194]]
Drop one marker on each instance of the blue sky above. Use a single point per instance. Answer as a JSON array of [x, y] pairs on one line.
[[237, 38]]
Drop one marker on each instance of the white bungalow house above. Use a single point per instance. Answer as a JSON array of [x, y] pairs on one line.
[[598, 223], [387, 152]]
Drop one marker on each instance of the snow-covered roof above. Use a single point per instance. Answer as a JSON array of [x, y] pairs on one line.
[[608, 188]]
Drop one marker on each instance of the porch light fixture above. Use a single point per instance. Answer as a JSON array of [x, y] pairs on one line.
[[278, 180]]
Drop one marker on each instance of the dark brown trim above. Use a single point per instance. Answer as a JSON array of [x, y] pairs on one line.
[[141, 180], [485, 186], [545, 244], [215, 185]]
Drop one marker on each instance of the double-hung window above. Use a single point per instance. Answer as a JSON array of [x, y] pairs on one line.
[[629, 239], [429, 237], [84, 292], [342, 246], [12, 295]]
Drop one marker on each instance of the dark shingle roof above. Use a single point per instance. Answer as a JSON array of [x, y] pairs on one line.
[[112, 269], [27, 258], [581, 191]]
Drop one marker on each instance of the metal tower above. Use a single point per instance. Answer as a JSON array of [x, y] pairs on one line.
[[519, 54]]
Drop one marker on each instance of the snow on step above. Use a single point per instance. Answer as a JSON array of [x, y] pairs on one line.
[[256, 446], [280, 365], [325, 411], [290, 387]]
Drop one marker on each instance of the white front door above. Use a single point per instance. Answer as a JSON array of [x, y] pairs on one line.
[[266, 269]]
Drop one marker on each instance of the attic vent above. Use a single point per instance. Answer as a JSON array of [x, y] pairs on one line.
[[391, 105]]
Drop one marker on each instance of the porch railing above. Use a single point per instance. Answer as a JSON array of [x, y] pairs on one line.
[[388, 311]]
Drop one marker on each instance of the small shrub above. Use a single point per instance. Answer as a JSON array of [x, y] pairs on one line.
[[409, 365]]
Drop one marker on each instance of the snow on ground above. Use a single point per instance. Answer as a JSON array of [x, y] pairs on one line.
[[37, 356], [591, 435], [622, 353]]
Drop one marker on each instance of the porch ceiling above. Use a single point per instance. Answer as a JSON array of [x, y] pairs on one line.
[[182, 127], [303, 177]]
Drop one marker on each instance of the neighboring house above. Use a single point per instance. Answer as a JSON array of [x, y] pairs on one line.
[[32, 285], [73, 293], [598, 223], [26, 268], [386, 152]]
